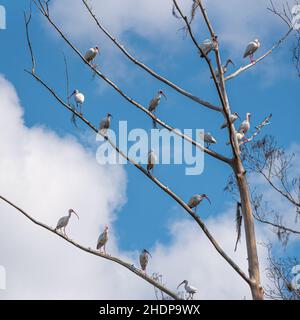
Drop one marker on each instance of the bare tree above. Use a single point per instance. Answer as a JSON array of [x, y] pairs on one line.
[[238, 148]]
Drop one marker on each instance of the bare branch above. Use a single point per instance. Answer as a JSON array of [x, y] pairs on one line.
[[146, 68], [213, 74], [258, 128], [250, 65], [155, 180], [126, 265], [27, 22], [136, 104]]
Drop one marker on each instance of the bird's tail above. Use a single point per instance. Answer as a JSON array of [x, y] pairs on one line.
[[154, 124]]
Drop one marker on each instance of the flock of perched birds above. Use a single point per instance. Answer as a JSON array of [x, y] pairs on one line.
[[207, 46]]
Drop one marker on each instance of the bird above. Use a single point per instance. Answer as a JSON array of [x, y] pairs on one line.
[[251, 48], [207, 138], [245, 125], [196, 199], [189, 289], [155, 102], [91, 54], [144, 257], [224, 67], [207, 46], [79, 99], [105, 124], [152, 159], [239, 136], [233, 117], [63, 222], [102, 240]]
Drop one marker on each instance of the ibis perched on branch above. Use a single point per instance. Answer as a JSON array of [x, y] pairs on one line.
[[207, 138], [196, 200], [105, 124], [102, 240], [63, 222], [79, 99], [245, 125], [144, 258], [189, 289], [232, 118], [152, 159], [207, 46], [155, 102], [239, 136], [91, 54], [251, 48]]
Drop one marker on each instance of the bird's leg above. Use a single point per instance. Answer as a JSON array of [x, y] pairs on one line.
[[80, 109], [154, 122], [251, 58]]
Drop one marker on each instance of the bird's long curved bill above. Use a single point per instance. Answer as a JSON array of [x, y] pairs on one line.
[[180, 284], [148, 253], [71, 95], [76, 214], [208, 199], [164, 96]]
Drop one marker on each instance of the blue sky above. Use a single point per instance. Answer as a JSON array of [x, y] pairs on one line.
[[272, 86]]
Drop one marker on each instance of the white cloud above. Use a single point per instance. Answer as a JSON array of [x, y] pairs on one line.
[[46, 174]]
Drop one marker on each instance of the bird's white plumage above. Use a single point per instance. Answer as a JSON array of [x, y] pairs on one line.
[[152, 159], [245, 125], [207, 137], [105, 124], [91, 54], [103, 238], [189, 289], [195, 200], [207, 46], [232, 118], [144, 258], [251, 48]]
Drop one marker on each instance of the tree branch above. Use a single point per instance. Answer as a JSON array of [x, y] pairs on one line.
[[155, 180], [136, 104], [265, 122], [148, 69], [250, 65], [126, 265]]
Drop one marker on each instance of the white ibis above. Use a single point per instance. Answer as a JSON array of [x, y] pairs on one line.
[[196, 200], [207, 46], [63, 222], [102, 240], [207, 138], [79, 99], [232, 118], [239, 136], [144, 258], [224, 68], [245, 125], [155, 102], [105, 124], [152, 159], [251, 48], [91, 54], [189, 289]]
